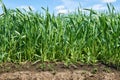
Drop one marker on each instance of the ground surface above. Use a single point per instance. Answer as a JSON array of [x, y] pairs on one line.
[[57, 71]]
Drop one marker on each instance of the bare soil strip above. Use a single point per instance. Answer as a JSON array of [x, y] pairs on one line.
[[57, 71]]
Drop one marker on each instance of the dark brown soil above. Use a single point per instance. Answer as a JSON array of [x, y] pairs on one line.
[[57, 71]]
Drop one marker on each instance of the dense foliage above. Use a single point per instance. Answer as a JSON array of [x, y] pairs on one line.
[[86, 37]]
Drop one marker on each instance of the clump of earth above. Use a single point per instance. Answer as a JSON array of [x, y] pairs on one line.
[[57, 71]]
